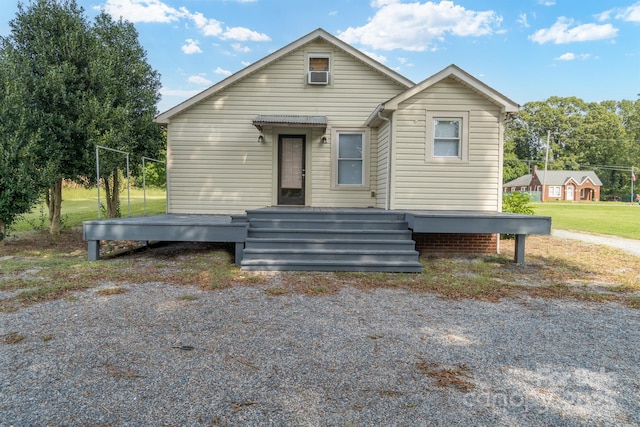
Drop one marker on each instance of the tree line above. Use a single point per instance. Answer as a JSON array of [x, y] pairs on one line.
[[600, 136], [67, 85]]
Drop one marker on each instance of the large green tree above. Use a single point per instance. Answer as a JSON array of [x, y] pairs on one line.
[[49, 48], [20, 184], [77, 85], [125, 90], [580, 135]]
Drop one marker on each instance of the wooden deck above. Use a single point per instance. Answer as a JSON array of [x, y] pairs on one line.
[[233, 228], [166, 228]]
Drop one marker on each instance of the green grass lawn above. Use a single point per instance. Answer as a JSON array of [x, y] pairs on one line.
[[81, 204], [619, 219]]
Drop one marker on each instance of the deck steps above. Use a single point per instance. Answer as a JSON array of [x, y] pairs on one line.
[[338, 240]]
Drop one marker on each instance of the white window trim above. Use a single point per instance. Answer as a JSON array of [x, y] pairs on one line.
[[554, 188], [311, 55], [366, 160], [463, 154]]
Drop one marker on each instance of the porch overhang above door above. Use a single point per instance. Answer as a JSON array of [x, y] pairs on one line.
[[264, 121]]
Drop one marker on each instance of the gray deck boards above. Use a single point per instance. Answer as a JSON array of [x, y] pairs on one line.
[[228, 228], [477, 222]]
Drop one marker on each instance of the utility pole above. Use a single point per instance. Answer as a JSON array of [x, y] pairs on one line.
[[633, 178], [546, 163]]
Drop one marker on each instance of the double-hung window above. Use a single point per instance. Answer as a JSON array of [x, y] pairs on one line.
[[447, 136], [350, 159]]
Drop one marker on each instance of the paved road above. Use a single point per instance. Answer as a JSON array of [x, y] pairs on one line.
[[631, 246]]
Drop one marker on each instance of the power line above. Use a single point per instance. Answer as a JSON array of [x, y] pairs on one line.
[[582, 165]]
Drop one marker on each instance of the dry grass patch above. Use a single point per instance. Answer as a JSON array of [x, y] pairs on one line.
[[456, 376], [276, 292], [308, 283], [12, 338], [122, 372], [42, 244], [116, 290], [558, 268], [555, 268]]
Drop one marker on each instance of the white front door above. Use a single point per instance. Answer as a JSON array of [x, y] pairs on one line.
[[569, 193]]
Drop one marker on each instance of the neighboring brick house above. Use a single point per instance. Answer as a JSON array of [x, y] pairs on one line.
[[558, 185]]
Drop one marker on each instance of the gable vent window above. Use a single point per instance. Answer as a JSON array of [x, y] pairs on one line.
[[318, 70]]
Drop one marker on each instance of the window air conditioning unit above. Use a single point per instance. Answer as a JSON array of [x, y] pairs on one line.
[[318, 78]]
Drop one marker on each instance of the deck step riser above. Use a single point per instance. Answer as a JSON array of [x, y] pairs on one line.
[[400, 245], [332, 267], [397, 257], [328, 216], [328, 224], [274, 233]]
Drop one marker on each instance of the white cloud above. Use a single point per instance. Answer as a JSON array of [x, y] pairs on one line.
[[547, 2], [380, 58], [191, 47], [631, 13], [222, 72], [141, 10], [560, 33], [333, 13], [414, 26], [570, 56], [245, 63], [158, 11], [208, 27], [405, 62], [240, 48], [522, 20], [604, 16], [199, 80], [566, 57], [244, 34]]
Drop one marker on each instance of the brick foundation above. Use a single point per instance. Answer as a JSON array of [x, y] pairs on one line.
[[450, 243]]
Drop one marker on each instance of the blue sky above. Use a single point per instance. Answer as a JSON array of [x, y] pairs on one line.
[[526, 49]]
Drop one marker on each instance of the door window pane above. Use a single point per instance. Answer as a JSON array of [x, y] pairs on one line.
[[291, 167]]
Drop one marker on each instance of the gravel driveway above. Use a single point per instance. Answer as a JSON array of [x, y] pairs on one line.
[[176, 355], [630, 246]]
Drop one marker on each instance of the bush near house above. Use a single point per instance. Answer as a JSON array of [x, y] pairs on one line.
[[517, 202]]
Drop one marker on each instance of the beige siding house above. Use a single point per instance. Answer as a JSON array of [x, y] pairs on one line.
[[318, 123]]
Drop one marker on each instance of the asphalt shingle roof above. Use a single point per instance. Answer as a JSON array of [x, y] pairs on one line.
[[553, 177]]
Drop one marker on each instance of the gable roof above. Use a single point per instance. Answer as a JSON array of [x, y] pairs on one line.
[[554, 177], [457, 73], [164, 118], [522, 181]]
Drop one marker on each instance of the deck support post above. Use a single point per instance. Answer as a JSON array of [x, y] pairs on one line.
[[239, 252], [519, 250], [93, 250]]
